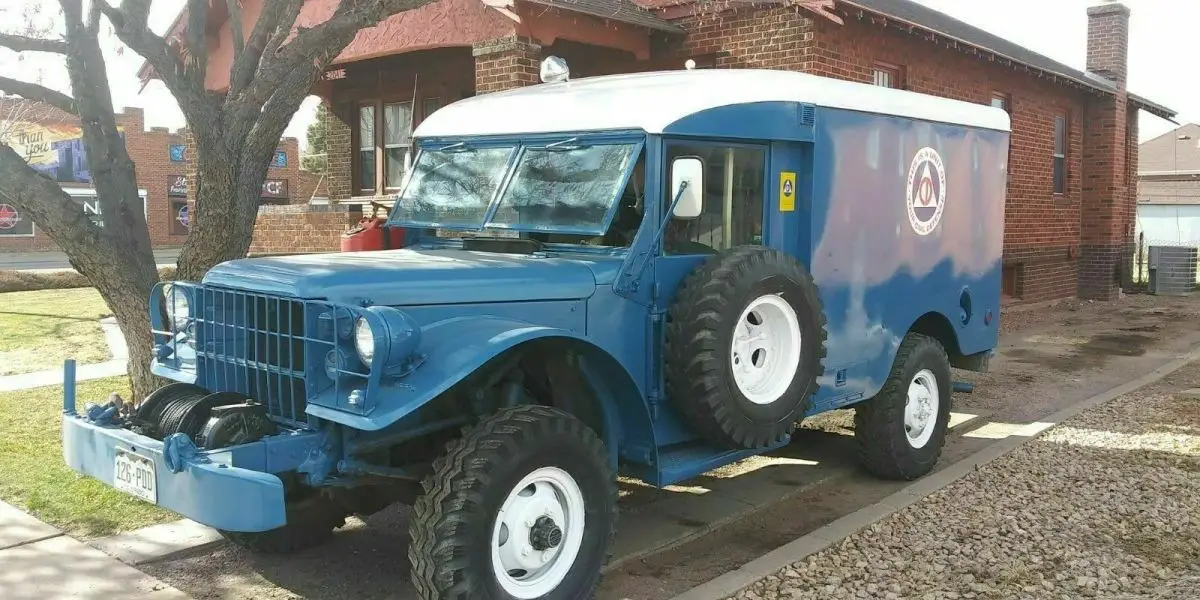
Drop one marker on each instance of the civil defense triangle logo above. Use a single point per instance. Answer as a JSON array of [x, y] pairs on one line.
[[926, 192]]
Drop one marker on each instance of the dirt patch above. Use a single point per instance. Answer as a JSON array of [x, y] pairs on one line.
[[1093, 353]]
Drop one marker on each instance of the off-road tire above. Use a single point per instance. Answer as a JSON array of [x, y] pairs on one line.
[[883, 447], [311, 520], [453, 520], [699, 377]]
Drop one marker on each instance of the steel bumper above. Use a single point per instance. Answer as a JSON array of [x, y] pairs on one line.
[[201, 486]]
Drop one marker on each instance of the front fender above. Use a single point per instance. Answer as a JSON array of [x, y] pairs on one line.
[[453, 349]]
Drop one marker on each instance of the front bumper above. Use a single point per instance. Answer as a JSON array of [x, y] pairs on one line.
[[204, 487]]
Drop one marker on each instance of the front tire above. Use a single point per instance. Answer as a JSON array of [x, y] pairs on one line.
[[521, 507], [901, 431]]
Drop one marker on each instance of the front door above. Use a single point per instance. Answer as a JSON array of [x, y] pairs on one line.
[[736, 196]]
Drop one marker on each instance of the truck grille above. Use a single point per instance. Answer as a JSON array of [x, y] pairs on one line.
[[254, 345]]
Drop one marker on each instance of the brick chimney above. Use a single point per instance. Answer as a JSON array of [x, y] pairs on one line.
[[1109, 201], [1108, 40]]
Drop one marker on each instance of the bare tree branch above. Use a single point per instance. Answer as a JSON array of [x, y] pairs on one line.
[[22, 43], [39, 93], [235, 27], [272, 28], [93, 22], [197, 53], [132, 27]]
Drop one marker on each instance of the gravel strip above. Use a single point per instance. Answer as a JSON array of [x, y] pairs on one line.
[[1105, 505]]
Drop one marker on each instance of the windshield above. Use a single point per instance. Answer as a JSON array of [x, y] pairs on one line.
[[452, 187], [563, 187]]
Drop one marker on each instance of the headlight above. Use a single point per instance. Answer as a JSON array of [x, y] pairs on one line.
[[178, 309], [364, 341]]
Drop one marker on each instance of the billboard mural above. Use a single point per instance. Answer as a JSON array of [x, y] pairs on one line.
[[55, 150]]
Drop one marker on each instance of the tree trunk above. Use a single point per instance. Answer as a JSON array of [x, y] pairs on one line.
[[224, 216]]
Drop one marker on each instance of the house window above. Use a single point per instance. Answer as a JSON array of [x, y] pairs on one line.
[[888, 76], [724, 222], [397, 142], [385, 145], [1060, 155], [366, 148], [1002, 101]]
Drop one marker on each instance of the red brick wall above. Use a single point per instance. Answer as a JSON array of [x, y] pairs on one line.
[[1041, 228], [154, 170], [298, 228]]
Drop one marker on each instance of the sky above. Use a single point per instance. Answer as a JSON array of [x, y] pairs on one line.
[[1160, 31]]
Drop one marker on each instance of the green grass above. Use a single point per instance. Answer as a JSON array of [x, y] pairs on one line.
[[35, 478], [38, 330]]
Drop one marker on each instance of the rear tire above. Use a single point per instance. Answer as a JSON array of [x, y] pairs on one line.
[[901, 431], [521, 507]]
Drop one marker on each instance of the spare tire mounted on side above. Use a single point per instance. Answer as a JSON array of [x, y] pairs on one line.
[[745, 343]]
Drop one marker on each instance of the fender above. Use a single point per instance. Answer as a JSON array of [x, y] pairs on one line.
[[457, 347]]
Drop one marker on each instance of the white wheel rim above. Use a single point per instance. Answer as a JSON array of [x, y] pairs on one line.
[[765, 353], [525, 562], [921, 409]]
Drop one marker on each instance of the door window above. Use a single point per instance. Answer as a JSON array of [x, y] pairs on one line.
[[734, 189]]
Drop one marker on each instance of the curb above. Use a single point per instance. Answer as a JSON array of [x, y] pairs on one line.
[[159, 542], [739, 579]]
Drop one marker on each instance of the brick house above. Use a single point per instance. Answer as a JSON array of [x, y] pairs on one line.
[[1168, 210], [52, 140], [1070, 212]]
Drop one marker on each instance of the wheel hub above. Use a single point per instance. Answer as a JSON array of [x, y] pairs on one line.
[[920, 409], [765, 352], [545, 534], [538, 533]]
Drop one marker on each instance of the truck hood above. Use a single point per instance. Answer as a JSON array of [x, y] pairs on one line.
[[417, 277]]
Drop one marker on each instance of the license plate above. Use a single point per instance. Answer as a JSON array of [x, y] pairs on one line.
[[135, 475]]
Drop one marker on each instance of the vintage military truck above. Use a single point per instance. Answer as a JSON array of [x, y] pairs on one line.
[[653, 274]]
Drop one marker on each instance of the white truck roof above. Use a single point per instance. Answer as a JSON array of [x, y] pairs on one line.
[[653, 101]]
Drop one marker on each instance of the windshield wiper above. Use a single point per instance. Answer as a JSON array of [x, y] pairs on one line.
[[566, 145], [457, 147]]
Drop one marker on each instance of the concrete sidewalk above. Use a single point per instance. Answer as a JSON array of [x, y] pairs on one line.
[[113, 367], [38, 562]]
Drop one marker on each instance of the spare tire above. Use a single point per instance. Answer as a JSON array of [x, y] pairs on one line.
[[745, 344]]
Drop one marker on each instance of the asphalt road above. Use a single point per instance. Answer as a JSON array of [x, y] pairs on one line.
[[671, 540], [49, 261]]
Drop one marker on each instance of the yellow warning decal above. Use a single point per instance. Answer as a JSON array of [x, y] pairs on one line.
[[787, 191]]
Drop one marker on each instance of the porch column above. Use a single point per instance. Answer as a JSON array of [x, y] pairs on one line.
[[506, 63], [339, 154]]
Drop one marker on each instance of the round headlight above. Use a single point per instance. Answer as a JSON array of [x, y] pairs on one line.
[[178, 309], [364, 340]]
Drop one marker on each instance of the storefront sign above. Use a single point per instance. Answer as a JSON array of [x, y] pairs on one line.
[[177, 151], [54, 150], [280, 160], [177, 186], [275, 188], [13, 224]]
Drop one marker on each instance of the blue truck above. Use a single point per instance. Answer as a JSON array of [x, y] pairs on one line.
[[650, 275]]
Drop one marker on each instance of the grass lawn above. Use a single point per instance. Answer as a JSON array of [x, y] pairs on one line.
[[38, 330], [35, 478]]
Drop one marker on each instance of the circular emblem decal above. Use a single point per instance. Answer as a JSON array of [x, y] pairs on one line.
[[8, 216], [926, 194]]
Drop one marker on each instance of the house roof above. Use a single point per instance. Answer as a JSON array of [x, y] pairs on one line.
[[922, 16], [623, 11], [1174, 152], [667, 97]]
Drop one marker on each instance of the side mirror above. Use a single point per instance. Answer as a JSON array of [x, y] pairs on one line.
[[688, 170]]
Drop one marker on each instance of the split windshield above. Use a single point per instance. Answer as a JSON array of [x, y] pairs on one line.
[[565, 186]]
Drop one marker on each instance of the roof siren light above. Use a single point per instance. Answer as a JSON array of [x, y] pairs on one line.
[[555, 70]]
